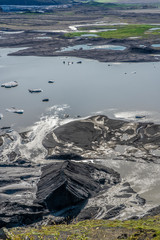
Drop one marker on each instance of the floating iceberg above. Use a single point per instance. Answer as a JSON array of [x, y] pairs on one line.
[[140, 116], [35, 90], [45, 100], [14, 110], [9, 84], [1, 116], [50, 81]]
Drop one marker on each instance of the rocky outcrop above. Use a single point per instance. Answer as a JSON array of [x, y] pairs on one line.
[[85, 191], [68, 183], [96, 136], [17, 193], [64, 191], [14, 214]]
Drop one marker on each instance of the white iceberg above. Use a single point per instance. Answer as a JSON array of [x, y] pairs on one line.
[[50, 81], [14, 110], [9, 84], [35, 90]]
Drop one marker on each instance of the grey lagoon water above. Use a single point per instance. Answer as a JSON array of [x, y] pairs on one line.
[[120, 90]]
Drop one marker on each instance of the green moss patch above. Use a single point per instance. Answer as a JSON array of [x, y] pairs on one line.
[[125, 31], [147, 228]]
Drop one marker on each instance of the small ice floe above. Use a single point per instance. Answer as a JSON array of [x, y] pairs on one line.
[[140, 116], [1, 116], [45, 100], [9, 130], [50, 81], [15, 110], [73, 28], [66, 115], [133, 72], [35, 90], [134, 115], [69, 63], [9, 84], [6, 129]]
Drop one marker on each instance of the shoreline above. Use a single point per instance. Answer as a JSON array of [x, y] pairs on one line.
[[134, 51], [109, 56], [29, 30]]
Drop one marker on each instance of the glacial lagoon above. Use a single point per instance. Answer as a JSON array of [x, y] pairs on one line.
[[119, 90]]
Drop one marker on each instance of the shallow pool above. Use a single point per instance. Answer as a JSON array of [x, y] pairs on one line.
[[156, 45], [91, 47]]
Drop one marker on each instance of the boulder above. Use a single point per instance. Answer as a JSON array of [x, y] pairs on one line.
[[63, 191]]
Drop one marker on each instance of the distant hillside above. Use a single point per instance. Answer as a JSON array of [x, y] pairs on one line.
[[56, 2], [34, 2]]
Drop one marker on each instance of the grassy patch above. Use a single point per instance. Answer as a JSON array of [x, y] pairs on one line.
[[131, 30], [148, 228], [126, 31]]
